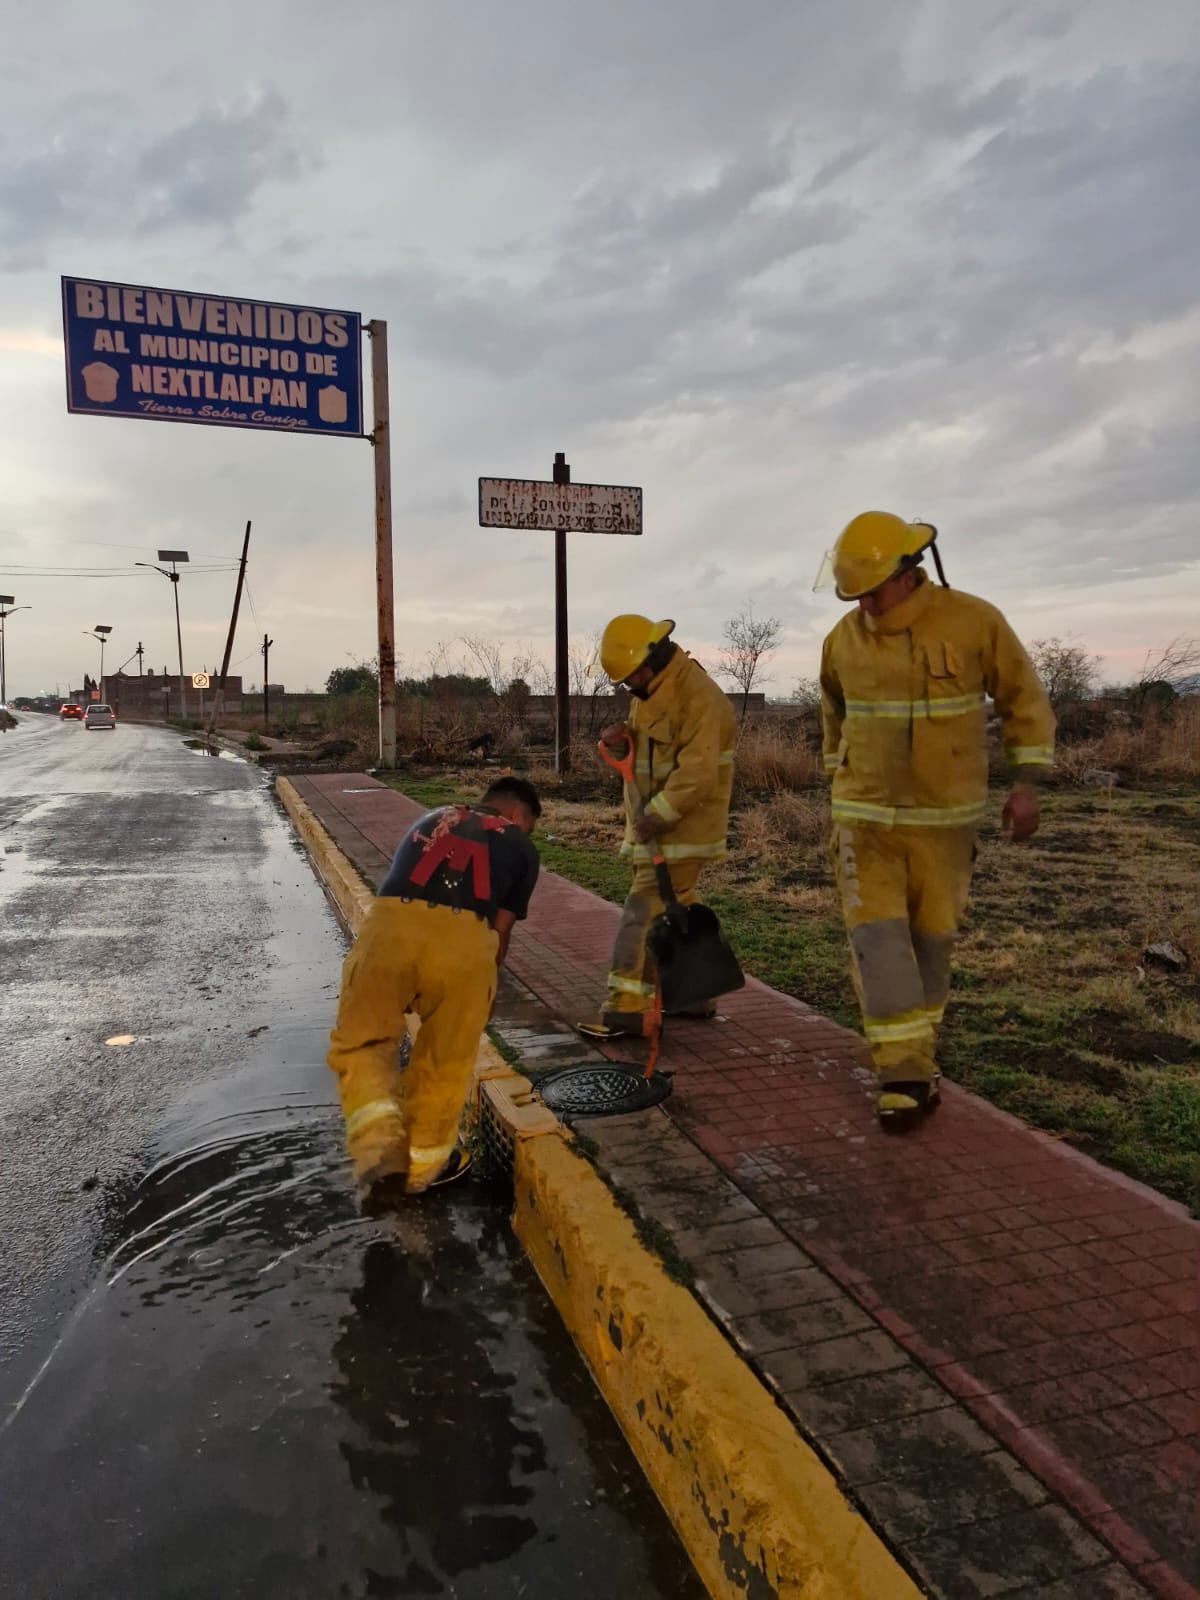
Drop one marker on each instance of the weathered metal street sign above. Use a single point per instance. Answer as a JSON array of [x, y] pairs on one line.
[[136, 352], [559, 507]]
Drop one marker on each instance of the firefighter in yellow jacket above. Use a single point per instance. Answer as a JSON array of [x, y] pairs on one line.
[[905, 680], [682, 726]]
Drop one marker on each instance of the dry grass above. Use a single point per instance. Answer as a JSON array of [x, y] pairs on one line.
[[775, 756], [1162, 746], [787, 828]]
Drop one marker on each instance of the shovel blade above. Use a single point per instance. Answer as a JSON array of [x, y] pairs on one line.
[[694, 961]]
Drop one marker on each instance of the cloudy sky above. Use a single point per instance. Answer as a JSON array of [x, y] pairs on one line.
[[776, 262]]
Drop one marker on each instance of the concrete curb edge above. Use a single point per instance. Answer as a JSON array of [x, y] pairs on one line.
[[758, 1512]]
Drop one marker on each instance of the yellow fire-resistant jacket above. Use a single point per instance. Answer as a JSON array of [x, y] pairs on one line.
[[683, 738], [903, 709]]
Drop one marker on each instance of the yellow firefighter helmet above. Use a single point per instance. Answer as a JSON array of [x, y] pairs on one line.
[[625, 644], [871, 549]]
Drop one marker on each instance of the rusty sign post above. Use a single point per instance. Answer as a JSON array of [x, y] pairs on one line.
[[562, 675], [385, 605], [562, 507]]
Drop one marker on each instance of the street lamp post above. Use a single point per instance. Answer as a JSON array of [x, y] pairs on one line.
[[6, 610], [101, 631], [174, 557]]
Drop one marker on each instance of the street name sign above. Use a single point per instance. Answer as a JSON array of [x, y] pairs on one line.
[[174, 357], [559, 507]]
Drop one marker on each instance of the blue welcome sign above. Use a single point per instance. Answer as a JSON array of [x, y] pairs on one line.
[[173, 357]]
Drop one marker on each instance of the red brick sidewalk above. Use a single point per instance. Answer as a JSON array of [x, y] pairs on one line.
[[1055, 1299]]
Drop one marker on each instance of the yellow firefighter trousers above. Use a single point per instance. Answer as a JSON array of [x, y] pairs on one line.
[[903, 890], [631, 981], [440, 964]]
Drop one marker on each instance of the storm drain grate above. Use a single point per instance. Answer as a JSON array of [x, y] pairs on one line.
[[601, 1091], [497, 1149]]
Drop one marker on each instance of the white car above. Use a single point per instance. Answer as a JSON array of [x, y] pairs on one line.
[[98, 716]]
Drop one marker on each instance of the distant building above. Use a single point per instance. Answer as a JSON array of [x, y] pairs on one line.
[[153, 694]]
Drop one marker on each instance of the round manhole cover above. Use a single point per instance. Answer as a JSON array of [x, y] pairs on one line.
[[601, 1091]]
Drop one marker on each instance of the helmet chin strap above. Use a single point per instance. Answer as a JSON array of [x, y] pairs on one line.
[[937, 561]]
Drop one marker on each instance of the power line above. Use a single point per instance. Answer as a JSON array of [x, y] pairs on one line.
[[108, 544], [96, 572]]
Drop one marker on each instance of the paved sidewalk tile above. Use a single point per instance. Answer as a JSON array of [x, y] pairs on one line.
[[1053, 1298]]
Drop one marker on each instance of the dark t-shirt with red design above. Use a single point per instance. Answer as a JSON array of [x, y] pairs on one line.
[[470, 860]]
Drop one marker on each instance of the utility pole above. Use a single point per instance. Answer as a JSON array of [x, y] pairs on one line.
[[562, 678], [266, 646], [381, 439], [219, 697], [139, 653]]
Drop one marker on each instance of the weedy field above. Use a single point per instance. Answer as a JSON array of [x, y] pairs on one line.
[[1056, 1015]]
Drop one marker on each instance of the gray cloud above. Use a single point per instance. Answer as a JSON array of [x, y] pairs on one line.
[[209, 169], [774, 262], [100, 175]]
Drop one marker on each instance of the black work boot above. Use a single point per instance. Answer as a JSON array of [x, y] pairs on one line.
[[901, 1106], [615, 1025]]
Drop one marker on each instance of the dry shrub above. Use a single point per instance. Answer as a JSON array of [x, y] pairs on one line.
[[1158, 745], [1178, 754], [775, 758], [787, 827]]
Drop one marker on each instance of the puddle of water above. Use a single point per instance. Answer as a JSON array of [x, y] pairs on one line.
[[273, 1395]]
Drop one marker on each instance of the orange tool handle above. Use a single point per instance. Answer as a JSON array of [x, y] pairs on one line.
[[622, 764]]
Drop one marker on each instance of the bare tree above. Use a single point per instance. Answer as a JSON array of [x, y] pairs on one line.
[[541, 677], [1067, 671], [579, 658], [1177, 663], [750, 642], [807, 694], [585, 686], [493, 666], [436, 658], [489, 660]]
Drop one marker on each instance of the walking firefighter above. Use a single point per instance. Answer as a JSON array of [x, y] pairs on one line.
[[905, 680]]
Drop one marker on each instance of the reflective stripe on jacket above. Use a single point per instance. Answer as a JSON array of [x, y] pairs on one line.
[[683, 737], [903, 708]]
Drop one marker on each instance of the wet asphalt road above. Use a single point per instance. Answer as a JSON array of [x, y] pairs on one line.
[[216, 1378]]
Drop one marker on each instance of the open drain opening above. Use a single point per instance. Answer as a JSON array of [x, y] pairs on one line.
[[605, 1091], [497, 1151]]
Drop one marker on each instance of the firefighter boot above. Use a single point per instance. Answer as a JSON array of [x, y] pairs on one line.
[[901, 1106]]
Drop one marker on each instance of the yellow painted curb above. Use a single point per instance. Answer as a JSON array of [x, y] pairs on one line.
[[352, 895], [759, 1514]]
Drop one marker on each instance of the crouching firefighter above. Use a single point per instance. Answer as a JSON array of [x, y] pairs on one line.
[[682, 727], [431, 944], [905, 678]]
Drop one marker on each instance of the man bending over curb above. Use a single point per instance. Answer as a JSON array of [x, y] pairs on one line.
[[431, 944]]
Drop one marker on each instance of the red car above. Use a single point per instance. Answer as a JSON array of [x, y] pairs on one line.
[[69, 709]]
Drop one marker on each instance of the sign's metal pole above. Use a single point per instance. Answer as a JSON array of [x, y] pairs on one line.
[[562, 677], [384, 601]]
